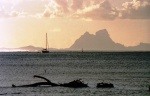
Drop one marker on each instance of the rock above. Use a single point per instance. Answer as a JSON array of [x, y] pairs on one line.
[[105, 85]]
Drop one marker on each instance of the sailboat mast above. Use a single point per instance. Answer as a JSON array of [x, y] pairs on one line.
[[46, 41], [46, 47]]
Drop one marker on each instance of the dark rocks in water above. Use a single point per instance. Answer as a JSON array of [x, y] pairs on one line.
[[105, 85], [75, 84]]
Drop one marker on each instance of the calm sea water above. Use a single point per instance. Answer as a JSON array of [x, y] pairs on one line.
[[128, 71]]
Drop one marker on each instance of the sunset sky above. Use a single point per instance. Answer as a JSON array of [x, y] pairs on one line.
[[25, 22]]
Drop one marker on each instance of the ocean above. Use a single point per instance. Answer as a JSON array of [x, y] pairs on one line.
[[128, 71]]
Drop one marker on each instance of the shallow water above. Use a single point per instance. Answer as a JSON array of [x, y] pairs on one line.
[[128, 71]]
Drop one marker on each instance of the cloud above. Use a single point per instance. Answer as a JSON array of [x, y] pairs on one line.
[[4, 14], [52, 9], [47, 12], [63, 5], [77, 4], [29, 6], [99, 11], [14, 8], [137, 9], [82, 9], [14, 14], [87, 9]]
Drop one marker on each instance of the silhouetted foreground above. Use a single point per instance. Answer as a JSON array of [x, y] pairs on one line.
[[72, 84], [75, 84], [105, 85]]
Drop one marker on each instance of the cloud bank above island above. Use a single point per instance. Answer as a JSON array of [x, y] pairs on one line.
[[79, 9]]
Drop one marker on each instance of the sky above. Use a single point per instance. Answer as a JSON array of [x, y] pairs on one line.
[[25, 22]]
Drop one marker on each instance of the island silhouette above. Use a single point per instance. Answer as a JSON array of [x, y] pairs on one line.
[[101, 41]]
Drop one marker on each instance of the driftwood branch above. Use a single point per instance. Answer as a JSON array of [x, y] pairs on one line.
[[73, 84], [48, 82], [37, 76]]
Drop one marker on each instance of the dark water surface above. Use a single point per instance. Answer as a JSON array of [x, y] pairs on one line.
[[128, 71]]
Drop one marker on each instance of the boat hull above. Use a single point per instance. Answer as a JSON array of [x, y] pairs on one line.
[[45, 51]]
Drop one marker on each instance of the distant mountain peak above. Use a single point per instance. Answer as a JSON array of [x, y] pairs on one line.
[[86, 33], [102, 33], [103, 30], [100, 41]]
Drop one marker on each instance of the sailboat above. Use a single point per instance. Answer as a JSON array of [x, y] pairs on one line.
[[46, 48]]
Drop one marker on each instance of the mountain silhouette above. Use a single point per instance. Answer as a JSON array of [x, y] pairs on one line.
[[30, 48], [140, 47], [100, 41], [34, 49]]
